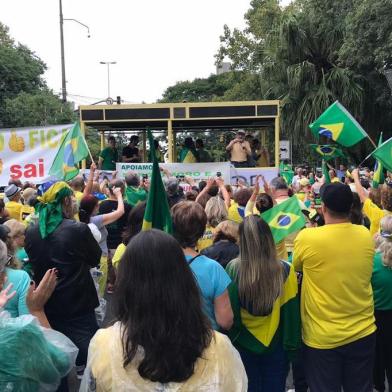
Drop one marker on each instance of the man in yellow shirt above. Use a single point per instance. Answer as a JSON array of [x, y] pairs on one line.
[[239, 150], [338, 325], [13, 206], [371, 210]]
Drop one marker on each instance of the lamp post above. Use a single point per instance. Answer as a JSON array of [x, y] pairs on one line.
[[388, 75], [63, 80], [108, 64]]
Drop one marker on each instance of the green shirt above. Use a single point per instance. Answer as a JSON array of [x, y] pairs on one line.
[[135, 195], [110, 157], [382, 284]]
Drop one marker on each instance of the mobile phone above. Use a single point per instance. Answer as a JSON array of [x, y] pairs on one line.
[[218, 174]]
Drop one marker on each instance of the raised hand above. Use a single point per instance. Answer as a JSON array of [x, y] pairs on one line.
[[6, 295], [37, 297]]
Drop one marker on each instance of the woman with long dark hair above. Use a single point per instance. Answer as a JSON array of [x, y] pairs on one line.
[[264, 298], [162, 339]]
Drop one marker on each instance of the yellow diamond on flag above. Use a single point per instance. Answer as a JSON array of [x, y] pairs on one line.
[[331, 131], [283, 220]]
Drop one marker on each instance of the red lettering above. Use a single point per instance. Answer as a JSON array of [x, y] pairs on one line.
[[41, 168], [16, 172], [30, 170]]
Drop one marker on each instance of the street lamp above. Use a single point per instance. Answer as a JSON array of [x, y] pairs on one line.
[[63, 81], [108, 64], [388, 75]]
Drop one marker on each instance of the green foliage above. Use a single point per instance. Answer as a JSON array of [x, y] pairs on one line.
[[24, 98]]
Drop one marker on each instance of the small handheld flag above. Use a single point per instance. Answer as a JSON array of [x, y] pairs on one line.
[[327, 152], [327, 178], [157, 215], [338, 124], [383, 154], [72, 150], [378, 176], [284, 219]]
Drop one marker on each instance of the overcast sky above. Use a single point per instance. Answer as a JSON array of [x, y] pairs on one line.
[[155, 43]]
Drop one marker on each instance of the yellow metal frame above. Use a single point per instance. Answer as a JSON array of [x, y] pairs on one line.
[[187, 106]]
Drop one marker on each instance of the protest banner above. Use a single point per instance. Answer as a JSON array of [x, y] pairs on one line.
[[248, 175], [197, 171], [27, 154]]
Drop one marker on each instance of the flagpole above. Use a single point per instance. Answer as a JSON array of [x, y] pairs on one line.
[[371, 141]]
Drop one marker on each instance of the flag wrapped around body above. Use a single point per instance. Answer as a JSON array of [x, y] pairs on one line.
[[286, 172], [72, 150], [338, 124], [327, 152], [383, 154], [157, 215], [327, 178], [284, 219], [378, 176]]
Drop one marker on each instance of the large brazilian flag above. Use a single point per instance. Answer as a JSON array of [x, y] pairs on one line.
[[72, 150], [284, 219], [262, 334], [157, 215], [383, 153], [338, 124], [327, 152]]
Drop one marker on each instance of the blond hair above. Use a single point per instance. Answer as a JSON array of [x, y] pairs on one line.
[[259, 272], [216, 211], [16, 227], [384, 241], [226, 230]]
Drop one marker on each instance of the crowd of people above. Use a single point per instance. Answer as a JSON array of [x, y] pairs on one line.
[[217, 305]]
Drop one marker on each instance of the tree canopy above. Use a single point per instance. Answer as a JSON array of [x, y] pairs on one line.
[[24, 97]]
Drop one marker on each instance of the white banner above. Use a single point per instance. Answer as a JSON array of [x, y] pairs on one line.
[[197, 171], [248, 175], [27, 154]]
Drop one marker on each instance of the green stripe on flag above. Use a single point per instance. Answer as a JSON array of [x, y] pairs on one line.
[[157, 214], [384, 154]]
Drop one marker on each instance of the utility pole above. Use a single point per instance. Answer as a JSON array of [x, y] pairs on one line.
[[108, 63], [63, 81]]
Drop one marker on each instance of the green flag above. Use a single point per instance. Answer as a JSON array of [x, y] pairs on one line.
[[327, 178], [383, 154], [327, 152], [378, 176], [284, 219], [286, 172], [157, 213], [338, 124], [72, 150]]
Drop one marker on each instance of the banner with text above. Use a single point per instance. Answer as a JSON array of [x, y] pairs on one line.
[[27, 154], [197, 171], [248, 175]]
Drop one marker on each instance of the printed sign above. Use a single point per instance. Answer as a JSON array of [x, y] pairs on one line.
[[27, 154], [248, 175]]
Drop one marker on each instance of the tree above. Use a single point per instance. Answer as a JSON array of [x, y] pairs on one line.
[[24, 97], [42, 108]]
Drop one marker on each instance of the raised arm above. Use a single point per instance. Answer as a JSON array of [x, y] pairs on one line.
[[210, 182], [226, 197], [89, 186], [115, 215], [360, 189]]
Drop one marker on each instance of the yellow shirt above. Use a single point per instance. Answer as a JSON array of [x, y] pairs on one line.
[[206, 240], [337, 298], [78, 196], [238, 152], [118, 254], [335, 179], [234, 214], [375, 214], [25, 211], [14, 209]]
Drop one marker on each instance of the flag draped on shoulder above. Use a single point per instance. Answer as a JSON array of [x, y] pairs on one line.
[[157, 215], [72, 150], [324, 168], [338, 124], [383, 154], [286, 172], [378, 176], [327, 152], [284, 219]]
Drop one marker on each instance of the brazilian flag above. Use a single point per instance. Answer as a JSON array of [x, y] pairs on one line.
[[286, 172], [338, 124], [72, 150], [327, 178], [262, 334], [378, 176], [284, 219], [383, 153], [327, 152], [157, 215]]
